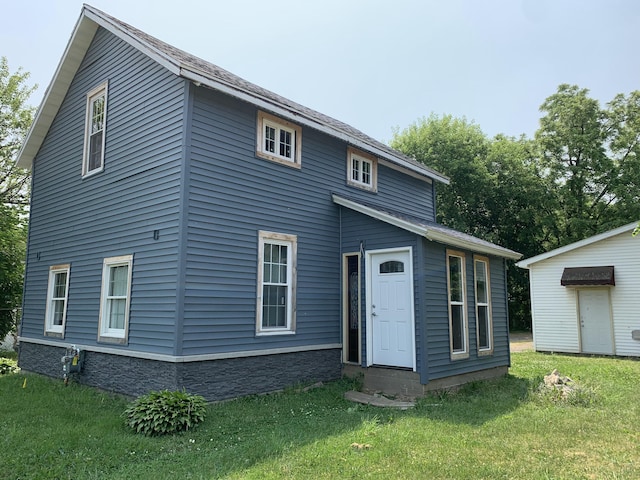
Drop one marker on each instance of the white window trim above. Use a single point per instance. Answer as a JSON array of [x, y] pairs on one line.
[[360, 156], [91, 96], [292, 242], [265, 119], [51, 329], [488, 350], [460, 354], [105, 333]]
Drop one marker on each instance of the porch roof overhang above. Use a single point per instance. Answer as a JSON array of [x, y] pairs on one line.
[[588, 276], [430, 230]]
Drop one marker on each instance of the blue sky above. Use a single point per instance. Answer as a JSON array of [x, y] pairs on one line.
[[374, 64]]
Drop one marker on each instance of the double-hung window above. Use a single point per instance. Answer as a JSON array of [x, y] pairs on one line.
[[483, 305], [115, 299], [57, 295], [279, 140], [95, 127], [362, 170], [276, 283], [458, 326]]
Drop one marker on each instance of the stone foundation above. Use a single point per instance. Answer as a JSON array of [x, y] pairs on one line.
[[213, 379]]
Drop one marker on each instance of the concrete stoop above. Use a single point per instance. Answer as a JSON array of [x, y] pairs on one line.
[[377, 400], [405, 384]]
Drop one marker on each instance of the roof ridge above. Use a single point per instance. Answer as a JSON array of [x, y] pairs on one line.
[[183, 59]]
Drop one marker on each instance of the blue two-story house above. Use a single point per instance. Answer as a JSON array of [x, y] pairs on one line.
[[189, 229]]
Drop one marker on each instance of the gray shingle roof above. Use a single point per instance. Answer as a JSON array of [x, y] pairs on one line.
[[429, 229], [186, 61]]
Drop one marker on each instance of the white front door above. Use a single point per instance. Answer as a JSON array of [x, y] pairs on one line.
[[595, 321], [390, 324]]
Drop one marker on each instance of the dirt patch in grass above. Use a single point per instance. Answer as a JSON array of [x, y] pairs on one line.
[[521, 342]]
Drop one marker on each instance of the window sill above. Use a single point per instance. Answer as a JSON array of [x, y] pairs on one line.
[[362, 186], [280, 160], [267, 333], [112, 340], [459, 356], [53, 334], [92, 173]]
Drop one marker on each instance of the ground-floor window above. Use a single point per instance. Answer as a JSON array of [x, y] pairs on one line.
[[458, 327], [483, 305], [57, 295], [276, 283], [115, 299]]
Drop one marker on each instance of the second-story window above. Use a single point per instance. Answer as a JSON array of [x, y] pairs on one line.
[[362, 170], [278, 140], [95, 126]]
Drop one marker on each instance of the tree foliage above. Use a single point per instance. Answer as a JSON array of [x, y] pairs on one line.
[[15, 118], [496, 191], [12, 254], [592, 156], [579, 175]]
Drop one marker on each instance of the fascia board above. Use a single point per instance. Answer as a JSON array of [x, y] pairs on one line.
[[474, 247], [158, 56], [432, 235], [378, 215], [572, 246], [201, 78], [56, 91]]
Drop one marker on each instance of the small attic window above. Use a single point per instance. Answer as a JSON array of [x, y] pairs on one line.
[[587, 276], [362, 170], [279, 140]]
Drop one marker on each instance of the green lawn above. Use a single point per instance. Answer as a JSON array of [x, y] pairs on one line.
[[498, 429]]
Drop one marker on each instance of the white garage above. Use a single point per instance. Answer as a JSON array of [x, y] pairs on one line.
[[585, 297]]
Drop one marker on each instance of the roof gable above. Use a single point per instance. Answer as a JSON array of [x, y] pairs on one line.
[[200, 72], [573, 246]]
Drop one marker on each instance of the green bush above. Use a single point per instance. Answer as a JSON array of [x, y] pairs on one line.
[[165, 412], [7, 366]]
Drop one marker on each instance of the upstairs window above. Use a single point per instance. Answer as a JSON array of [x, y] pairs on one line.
[[95, 123], [458, 327], [115, 299], [483, 305], [276, 283], [57, 295], [362, 170], [279, 140]]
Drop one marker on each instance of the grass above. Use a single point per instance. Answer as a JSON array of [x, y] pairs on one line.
[[499, 429]]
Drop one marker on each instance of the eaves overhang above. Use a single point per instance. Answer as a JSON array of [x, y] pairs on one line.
[[431, 231], [528, 262]]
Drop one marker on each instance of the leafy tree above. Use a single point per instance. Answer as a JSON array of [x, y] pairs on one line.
[[15, 118], [458, 149], [12, 252], [496, 193], [592, 156]]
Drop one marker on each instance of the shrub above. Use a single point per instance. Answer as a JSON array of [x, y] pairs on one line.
[[7, 366], [165, 412]]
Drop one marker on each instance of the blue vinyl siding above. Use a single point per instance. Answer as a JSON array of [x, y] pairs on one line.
[[234, 194], [82, 221], [372, 234], [439, 361]]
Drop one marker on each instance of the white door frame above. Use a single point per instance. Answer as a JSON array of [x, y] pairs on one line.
[[581, 327], [368, 295]]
